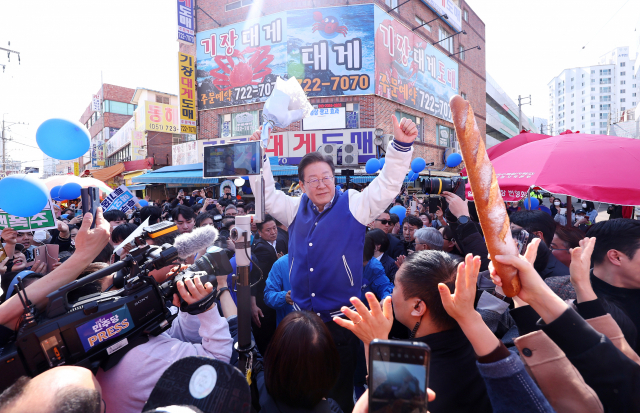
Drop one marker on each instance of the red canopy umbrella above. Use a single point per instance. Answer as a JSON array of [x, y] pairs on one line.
[[592, 167], [512, 143]]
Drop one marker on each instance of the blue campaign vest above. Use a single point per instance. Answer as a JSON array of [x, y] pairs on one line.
[[325, 257]]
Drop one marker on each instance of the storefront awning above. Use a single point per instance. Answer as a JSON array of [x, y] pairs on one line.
[[282, 170], [139, 187], [179, 174], [109, 172]]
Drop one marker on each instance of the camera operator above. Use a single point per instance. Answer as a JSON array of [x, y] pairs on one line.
[[89, 243]]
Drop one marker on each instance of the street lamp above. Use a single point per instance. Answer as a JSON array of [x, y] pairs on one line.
[[439, 17], [462, 51], [455, 34]]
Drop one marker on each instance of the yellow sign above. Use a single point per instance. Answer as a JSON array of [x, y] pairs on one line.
[[159, 117], [76, 168], [187, 87]]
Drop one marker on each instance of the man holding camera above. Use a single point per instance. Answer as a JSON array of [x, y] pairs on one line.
[[326, 238]]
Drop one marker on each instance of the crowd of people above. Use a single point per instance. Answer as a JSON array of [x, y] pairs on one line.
[[333, 270]]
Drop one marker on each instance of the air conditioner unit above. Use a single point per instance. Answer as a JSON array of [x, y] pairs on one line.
[[331, 150], [349, 154]]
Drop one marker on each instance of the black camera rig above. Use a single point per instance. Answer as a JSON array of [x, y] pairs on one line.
[[98, 329]]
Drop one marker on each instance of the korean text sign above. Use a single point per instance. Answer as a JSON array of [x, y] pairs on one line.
[[105, 327], [161, 118], [121, 138], [332, 51], [120, 199], [186, 22], [45, 219], [187, 95]]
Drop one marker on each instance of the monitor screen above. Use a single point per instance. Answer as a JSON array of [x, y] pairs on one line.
[[231, 160]]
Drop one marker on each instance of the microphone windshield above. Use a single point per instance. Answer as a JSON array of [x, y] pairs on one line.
[[199, 239]]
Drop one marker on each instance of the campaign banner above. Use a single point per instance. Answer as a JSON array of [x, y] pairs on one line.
[[120, 199], [290, 147], [45, 219], [326, 116], [159, 117], [186, 22], [411, 71], [184, 153], [187, 95], [105, 327], [121, 138]]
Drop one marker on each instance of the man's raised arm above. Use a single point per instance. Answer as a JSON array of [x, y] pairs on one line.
[[281, 207], [368, 204]]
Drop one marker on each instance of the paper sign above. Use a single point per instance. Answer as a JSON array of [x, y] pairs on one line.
[[120, 199], [105, 327], [45, 219]]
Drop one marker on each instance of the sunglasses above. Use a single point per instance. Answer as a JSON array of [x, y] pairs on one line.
[[384, 222]]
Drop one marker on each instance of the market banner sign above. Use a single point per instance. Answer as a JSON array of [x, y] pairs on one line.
[[448, 7], [331, 51], [326, 116], [95, 103], [187, 87], [159, 117], [138, 146], [184, 153], [186, 22], [45, 219], [120, 199], [76, 168], [412, 71], [122, 137]]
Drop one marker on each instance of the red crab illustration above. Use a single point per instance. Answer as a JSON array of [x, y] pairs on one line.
[[250, 70], [329, 24]]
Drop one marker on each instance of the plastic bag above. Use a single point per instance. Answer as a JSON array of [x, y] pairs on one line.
[[287, 103]]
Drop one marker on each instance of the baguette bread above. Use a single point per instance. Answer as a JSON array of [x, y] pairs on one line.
[[486, 193]]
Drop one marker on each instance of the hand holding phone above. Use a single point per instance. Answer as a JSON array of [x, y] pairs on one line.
[[90, 202]]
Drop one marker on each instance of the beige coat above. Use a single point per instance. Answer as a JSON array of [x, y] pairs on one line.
[[558, 379]]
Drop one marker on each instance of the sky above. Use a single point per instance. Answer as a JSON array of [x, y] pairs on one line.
[[65, 45]]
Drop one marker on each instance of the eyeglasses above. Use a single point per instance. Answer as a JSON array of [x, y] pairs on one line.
[[314, 183], [384, 221]]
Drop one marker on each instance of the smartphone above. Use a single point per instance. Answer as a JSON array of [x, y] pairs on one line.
[[398, 376], [90, 202], [414, 206], [47, 254]]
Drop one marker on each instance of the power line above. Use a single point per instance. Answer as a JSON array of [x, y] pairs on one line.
[[604, 25]]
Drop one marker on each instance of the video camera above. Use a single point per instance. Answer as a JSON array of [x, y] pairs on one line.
[[98, 329], [435, 186]]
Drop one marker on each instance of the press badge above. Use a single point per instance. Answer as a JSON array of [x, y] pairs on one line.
[[105, 327]]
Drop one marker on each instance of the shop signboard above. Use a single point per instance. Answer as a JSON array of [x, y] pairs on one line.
[[121, 138], [185, 153], [138, 145], [326, 116], [448, 7], [159, 117], [187, 95], [186, 21], [412, 71]]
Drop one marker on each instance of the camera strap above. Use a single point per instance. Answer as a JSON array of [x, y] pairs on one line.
[[201, 306]]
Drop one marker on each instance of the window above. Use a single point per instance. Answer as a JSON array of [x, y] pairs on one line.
[[605, 107], [238, 4], [423, 23], [400, 115], [120, 108], [583, 119], [606, 89], [391, 3], [633, 86], [622, 82], [353, 116], [605, 81], [603, 124], [571, 87], [622, 99], [239, 124], [582, 83], [623, 73], [583, 76], [593, 115], [605, 72], [162, 99], [465, 15], [593, 124], [593, 106], [123, 155], [583, 92], [572, 79], [461, 52], [593, 81], [633, 95], [593, 72], [605, 98], [603, 116], [622, 108], [622, 64], [448, 43], [593, 98], [622, 91], [572, 103], [446, 137], [464, 95], [571, 120], [572, 112], [582, 100], [593, 89]]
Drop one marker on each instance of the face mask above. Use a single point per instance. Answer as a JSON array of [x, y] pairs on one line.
[[556, 203], [584, 205]]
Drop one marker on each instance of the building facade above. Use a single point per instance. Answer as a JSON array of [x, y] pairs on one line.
[[588, 99], [502, 115], [359, 61]]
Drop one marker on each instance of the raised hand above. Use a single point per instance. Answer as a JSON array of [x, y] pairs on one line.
[[580, 270], [460, 305], [405, 131], [368, 324], [10, 235], [256, 134], [457, 206]]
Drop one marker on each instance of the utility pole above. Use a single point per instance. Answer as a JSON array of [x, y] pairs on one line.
[[520, 99], [4, 143], [9, 51]]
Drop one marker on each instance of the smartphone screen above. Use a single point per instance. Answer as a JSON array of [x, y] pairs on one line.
[[399, 375], [90, 202]]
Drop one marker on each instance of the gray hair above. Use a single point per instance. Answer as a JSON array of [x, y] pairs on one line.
[[230, 206], [430, 236]]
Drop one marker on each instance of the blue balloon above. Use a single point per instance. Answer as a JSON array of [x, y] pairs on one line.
[[400, 211], [372, 166], [246, 178], [63, 139], [381, 160], [418, 165], [144, 202], [534, 203], [454, 160], [23, 195], [70, 191], [55, 191]]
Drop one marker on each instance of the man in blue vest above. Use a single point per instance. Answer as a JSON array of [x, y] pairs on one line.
[[326, 238]]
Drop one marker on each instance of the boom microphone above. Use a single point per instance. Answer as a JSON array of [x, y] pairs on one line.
[[197, 240]]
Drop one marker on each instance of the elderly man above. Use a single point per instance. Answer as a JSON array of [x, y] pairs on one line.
[[428, 238], [326, 270]]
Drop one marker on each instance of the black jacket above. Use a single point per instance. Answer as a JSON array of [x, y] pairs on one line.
[[282, 242], [454, 375], [471, 242], [553, 267], [267, 256], [396, 247], [390, 267]]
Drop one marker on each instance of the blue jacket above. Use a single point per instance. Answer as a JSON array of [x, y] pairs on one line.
[[277, 287], [374, 279], [325, 248]]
